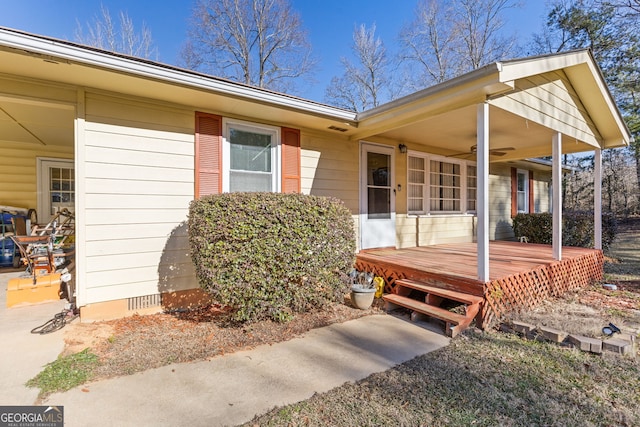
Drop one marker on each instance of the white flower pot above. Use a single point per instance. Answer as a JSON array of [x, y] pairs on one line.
[[362, 298]]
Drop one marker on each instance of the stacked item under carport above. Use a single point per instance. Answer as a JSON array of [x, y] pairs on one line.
[[47, 253], [9, 254]]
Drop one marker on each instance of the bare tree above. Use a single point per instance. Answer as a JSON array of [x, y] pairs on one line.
[[480, 24], [363, 83], [626, 7], [610, 29], [447, 39], [257, 42], [430, 41], [120, 36]]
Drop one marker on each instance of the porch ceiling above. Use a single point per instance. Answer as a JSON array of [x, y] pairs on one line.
[[453, 133], [27, 121]]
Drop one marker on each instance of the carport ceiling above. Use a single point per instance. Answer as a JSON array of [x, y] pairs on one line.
[[33, 122]]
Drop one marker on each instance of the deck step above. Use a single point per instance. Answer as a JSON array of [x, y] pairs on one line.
[[452, 320], [444, 293]]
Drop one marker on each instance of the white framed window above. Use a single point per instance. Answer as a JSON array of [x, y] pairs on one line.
[[445, 186], [251, 154], [472, 187], [440, 185], [523, 191], [56, 186], [416, 184]]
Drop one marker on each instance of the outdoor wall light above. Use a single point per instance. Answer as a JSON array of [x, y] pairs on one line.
[[402, 148]]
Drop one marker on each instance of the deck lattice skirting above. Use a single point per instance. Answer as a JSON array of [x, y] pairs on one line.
[[512, 291], [529, 288]]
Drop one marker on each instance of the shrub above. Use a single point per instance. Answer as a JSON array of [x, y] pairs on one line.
[[269, 255], [577, 228]]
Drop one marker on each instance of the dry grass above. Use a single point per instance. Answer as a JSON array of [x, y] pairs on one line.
[[481, 379]]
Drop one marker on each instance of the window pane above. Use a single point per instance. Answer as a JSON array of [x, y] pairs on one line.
[[250, 161], [378, 169], [249, 181], [416, 177], [379, 203], [521, 181], [250, 151], [416, 185], [521, 202], [472, 186]]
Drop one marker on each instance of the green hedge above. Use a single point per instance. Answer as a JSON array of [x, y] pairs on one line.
[[577, 228], [270, 255]]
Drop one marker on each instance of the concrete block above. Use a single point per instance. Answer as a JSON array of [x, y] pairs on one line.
[[551, 334], [592, 345], [522, 328], [617, 345]]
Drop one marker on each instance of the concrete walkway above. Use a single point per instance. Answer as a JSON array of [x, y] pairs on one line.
[[23, 354], [224, 391]]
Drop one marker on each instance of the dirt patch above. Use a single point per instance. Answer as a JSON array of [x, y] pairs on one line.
[[137, 343], [78, 336], [587, 311]]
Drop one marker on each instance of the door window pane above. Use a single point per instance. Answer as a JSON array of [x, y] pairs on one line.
[[379, 203], [379, 186], [378, 169]]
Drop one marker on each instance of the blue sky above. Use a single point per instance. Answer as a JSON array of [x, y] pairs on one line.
[[330, 23]]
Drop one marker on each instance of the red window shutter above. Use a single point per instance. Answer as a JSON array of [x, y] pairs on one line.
[[208, 153], [290, 160], [531, 199], [514, 192]]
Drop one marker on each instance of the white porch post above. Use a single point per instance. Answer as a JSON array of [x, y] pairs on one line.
[[557, 195], [482, 158], [597, 199]]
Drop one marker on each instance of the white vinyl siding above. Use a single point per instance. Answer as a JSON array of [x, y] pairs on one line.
[[139, 180], [550, 100]]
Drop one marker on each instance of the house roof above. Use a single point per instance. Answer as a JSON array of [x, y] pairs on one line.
[[444, 113]]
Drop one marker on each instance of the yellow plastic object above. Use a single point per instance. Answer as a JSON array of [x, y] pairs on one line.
[[23, 290], [379, 283]]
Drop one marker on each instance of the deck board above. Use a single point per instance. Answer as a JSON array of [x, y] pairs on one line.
[[459, 260]]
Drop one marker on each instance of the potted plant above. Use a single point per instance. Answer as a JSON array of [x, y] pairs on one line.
[[363, 289]]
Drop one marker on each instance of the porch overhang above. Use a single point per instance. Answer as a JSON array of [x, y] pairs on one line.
[[530, 101]]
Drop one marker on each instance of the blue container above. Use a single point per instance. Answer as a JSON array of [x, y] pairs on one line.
[[7, 247], [7, 252]]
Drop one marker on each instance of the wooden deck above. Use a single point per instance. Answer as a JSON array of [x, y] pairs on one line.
[[521, 274]]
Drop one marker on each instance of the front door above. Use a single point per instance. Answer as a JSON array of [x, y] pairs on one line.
[[377, 197]]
